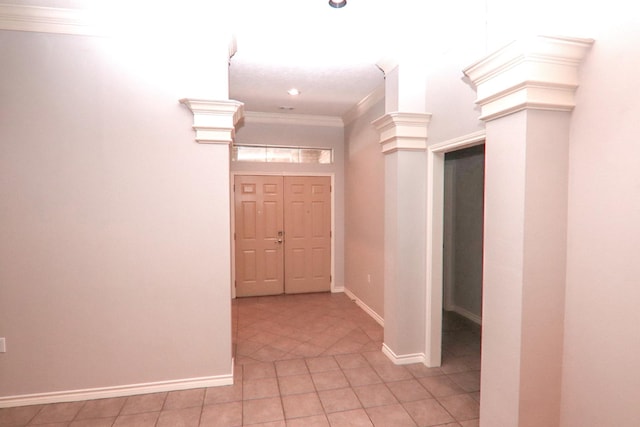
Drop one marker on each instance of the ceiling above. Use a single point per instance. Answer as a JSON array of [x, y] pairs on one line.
[[328, 54]]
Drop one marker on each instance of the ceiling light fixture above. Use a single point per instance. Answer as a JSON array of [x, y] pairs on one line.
[[337, 4], [293, 91]]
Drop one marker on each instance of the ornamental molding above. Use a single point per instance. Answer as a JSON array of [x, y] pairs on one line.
[[292, 119], [48, 20], [539, 73], [214, 121], [403, 131]]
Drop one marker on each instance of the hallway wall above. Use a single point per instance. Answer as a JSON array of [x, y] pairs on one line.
[[114, 237], [602, 344], [364, 217]]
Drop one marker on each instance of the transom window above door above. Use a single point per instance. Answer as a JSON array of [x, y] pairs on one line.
[[281, 154]]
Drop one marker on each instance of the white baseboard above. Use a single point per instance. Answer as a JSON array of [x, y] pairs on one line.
[[365, 307], [404, 359], [117, 391], [466, 313], [337, 289]]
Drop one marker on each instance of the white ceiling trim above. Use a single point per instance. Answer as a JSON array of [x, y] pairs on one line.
[[364, 105], [292, 119], [47, 20]]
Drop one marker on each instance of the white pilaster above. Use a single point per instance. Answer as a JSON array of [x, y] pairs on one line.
[[526, 91], [538, 73], [214, 121], [403, 137], [403, 131]]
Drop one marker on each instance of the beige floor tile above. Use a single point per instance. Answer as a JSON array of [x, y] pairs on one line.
[[409, 390], [184, 399], [296, 384], [418, 370], [291, 367], [262, 410], [329, 380], [469, 381], [93, 422], [428, 413], [141, 403], [376, 357], [390, 372], [390, 416], [260, 388], [351, 361], [354, 418], [18, 416], [224, 394], [374, 395], [148, 419], [302, 405], [314, 421], [58, 413], [462, 406], [337, 400], [362, 376], [307, 350], [184, 417], [441, 386], [101, 408], [222, 415], [281, 423], [322, 364], [253, 371]]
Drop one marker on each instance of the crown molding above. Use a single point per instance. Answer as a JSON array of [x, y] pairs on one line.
[[403, 131], [539, 72], [214, 121], [292, 119], [48, 20], [387, 64], [364, 105]]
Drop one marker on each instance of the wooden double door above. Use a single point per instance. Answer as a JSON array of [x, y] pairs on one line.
[[282, 234]]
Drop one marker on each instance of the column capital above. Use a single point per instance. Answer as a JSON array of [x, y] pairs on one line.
[[214, 121], [403, 131], [539, 72]]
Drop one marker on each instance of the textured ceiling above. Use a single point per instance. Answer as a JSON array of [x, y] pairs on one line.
[[328, 54]]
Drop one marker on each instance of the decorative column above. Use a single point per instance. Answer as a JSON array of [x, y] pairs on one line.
[[214, 121], [526, 93], [403, 136]]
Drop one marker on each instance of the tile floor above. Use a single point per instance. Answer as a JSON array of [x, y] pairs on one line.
[[301, 360]]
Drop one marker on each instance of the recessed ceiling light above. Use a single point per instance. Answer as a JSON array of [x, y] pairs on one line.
[[293, 91], [285, 107], [337, 4]]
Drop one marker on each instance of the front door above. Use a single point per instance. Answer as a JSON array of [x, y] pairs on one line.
[[282, 234]]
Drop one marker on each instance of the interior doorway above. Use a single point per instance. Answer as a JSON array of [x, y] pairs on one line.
[[463, 223], [282, 233], [435, 241]]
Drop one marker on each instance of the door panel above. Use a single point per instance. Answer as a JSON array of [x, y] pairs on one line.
[[258, 220], [295, 211], [307, 212]]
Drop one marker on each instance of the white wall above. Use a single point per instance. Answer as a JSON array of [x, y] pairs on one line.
[[114, 247], [289, 133], [602, 343], [364, 216]]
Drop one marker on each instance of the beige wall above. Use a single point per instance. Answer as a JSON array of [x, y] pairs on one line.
[[302, 135], [114, 223], [364, 217]]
